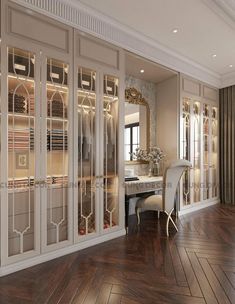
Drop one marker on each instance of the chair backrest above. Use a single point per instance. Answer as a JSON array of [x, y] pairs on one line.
[[171, 180]]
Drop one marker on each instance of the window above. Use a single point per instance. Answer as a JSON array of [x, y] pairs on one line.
[[132, 139]]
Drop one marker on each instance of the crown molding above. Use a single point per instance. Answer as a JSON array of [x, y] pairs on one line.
[[84, 18], [225, 9], [228, 79]]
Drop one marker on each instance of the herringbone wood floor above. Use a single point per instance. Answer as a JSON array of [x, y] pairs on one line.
[[195, 265]]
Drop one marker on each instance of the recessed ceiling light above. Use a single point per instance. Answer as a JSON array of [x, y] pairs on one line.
[[230, 65], [214, 55], [175, 31], [142, 71]]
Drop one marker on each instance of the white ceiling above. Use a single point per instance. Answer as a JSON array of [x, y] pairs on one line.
[[206, 27], [152, 72]]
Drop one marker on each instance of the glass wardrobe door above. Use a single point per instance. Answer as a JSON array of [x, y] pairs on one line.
[[196, 153], [214, 151], [86, 147], [110, 114], [57, 151], [21, 152], [206, 151], [186, 149]]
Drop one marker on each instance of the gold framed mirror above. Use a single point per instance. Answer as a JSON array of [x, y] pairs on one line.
[[137, 122]]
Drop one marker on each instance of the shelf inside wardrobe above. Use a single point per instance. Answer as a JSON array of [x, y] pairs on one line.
[[55, 118], [89, 178], [57, 87], [21, 115], [16, 77]]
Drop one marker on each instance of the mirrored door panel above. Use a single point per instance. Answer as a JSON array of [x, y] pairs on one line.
[[186, 148], [206, 151], [214, 151], [21, 151], [110, 118], [86, 147], [57, 151]]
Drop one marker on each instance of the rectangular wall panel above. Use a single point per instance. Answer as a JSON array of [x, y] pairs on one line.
[[192, 87], [99, 52], [38, 29], [210, 93]]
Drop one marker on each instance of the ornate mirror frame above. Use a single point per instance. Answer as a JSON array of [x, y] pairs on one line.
[[133, 96]]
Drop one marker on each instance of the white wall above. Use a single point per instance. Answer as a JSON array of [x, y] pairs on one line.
[[167, 117]]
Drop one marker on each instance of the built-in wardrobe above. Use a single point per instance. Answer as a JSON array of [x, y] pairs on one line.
[[61, 141], [187, 128]]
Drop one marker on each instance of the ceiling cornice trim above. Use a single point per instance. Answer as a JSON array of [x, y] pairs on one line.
[[225, 9], [228, 80], [90, 21]]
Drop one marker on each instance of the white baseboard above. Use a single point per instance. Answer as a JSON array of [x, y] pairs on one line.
[[4, 270], [198, 207]]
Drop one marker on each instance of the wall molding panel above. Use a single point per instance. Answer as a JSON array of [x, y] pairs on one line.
[[90, 21]]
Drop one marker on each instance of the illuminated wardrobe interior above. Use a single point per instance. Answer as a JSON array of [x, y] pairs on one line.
[[60, 134], [62, 138]]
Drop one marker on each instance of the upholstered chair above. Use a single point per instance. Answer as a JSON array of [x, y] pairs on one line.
[[165, 202]]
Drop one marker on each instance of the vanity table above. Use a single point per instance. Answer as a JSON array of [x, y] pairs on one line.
[[144, 185]]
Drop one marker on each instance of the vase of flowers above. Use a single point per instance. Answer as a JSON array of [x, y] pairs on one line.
[[154, 156]]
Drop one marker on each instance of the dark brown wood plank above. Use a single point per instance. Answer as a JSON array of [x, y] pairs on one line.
[[190, 275], [115, 299], [104, 294], [195, 265], [214, 283], [229, 290], [203, 282]]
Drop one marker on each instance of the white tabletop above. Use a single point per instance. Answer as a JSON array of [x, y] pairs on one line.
[[144, 184]]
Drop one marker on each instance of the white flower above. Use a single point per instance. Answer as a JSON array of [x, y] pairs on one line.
[[155, 155]]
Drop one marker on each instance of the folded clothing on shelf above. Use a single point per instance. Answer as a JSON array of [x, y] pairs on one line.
[[56, 108], [21, 139], [20, 182], [20, 104], [57, 139], [57, 179], [24, 182]]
